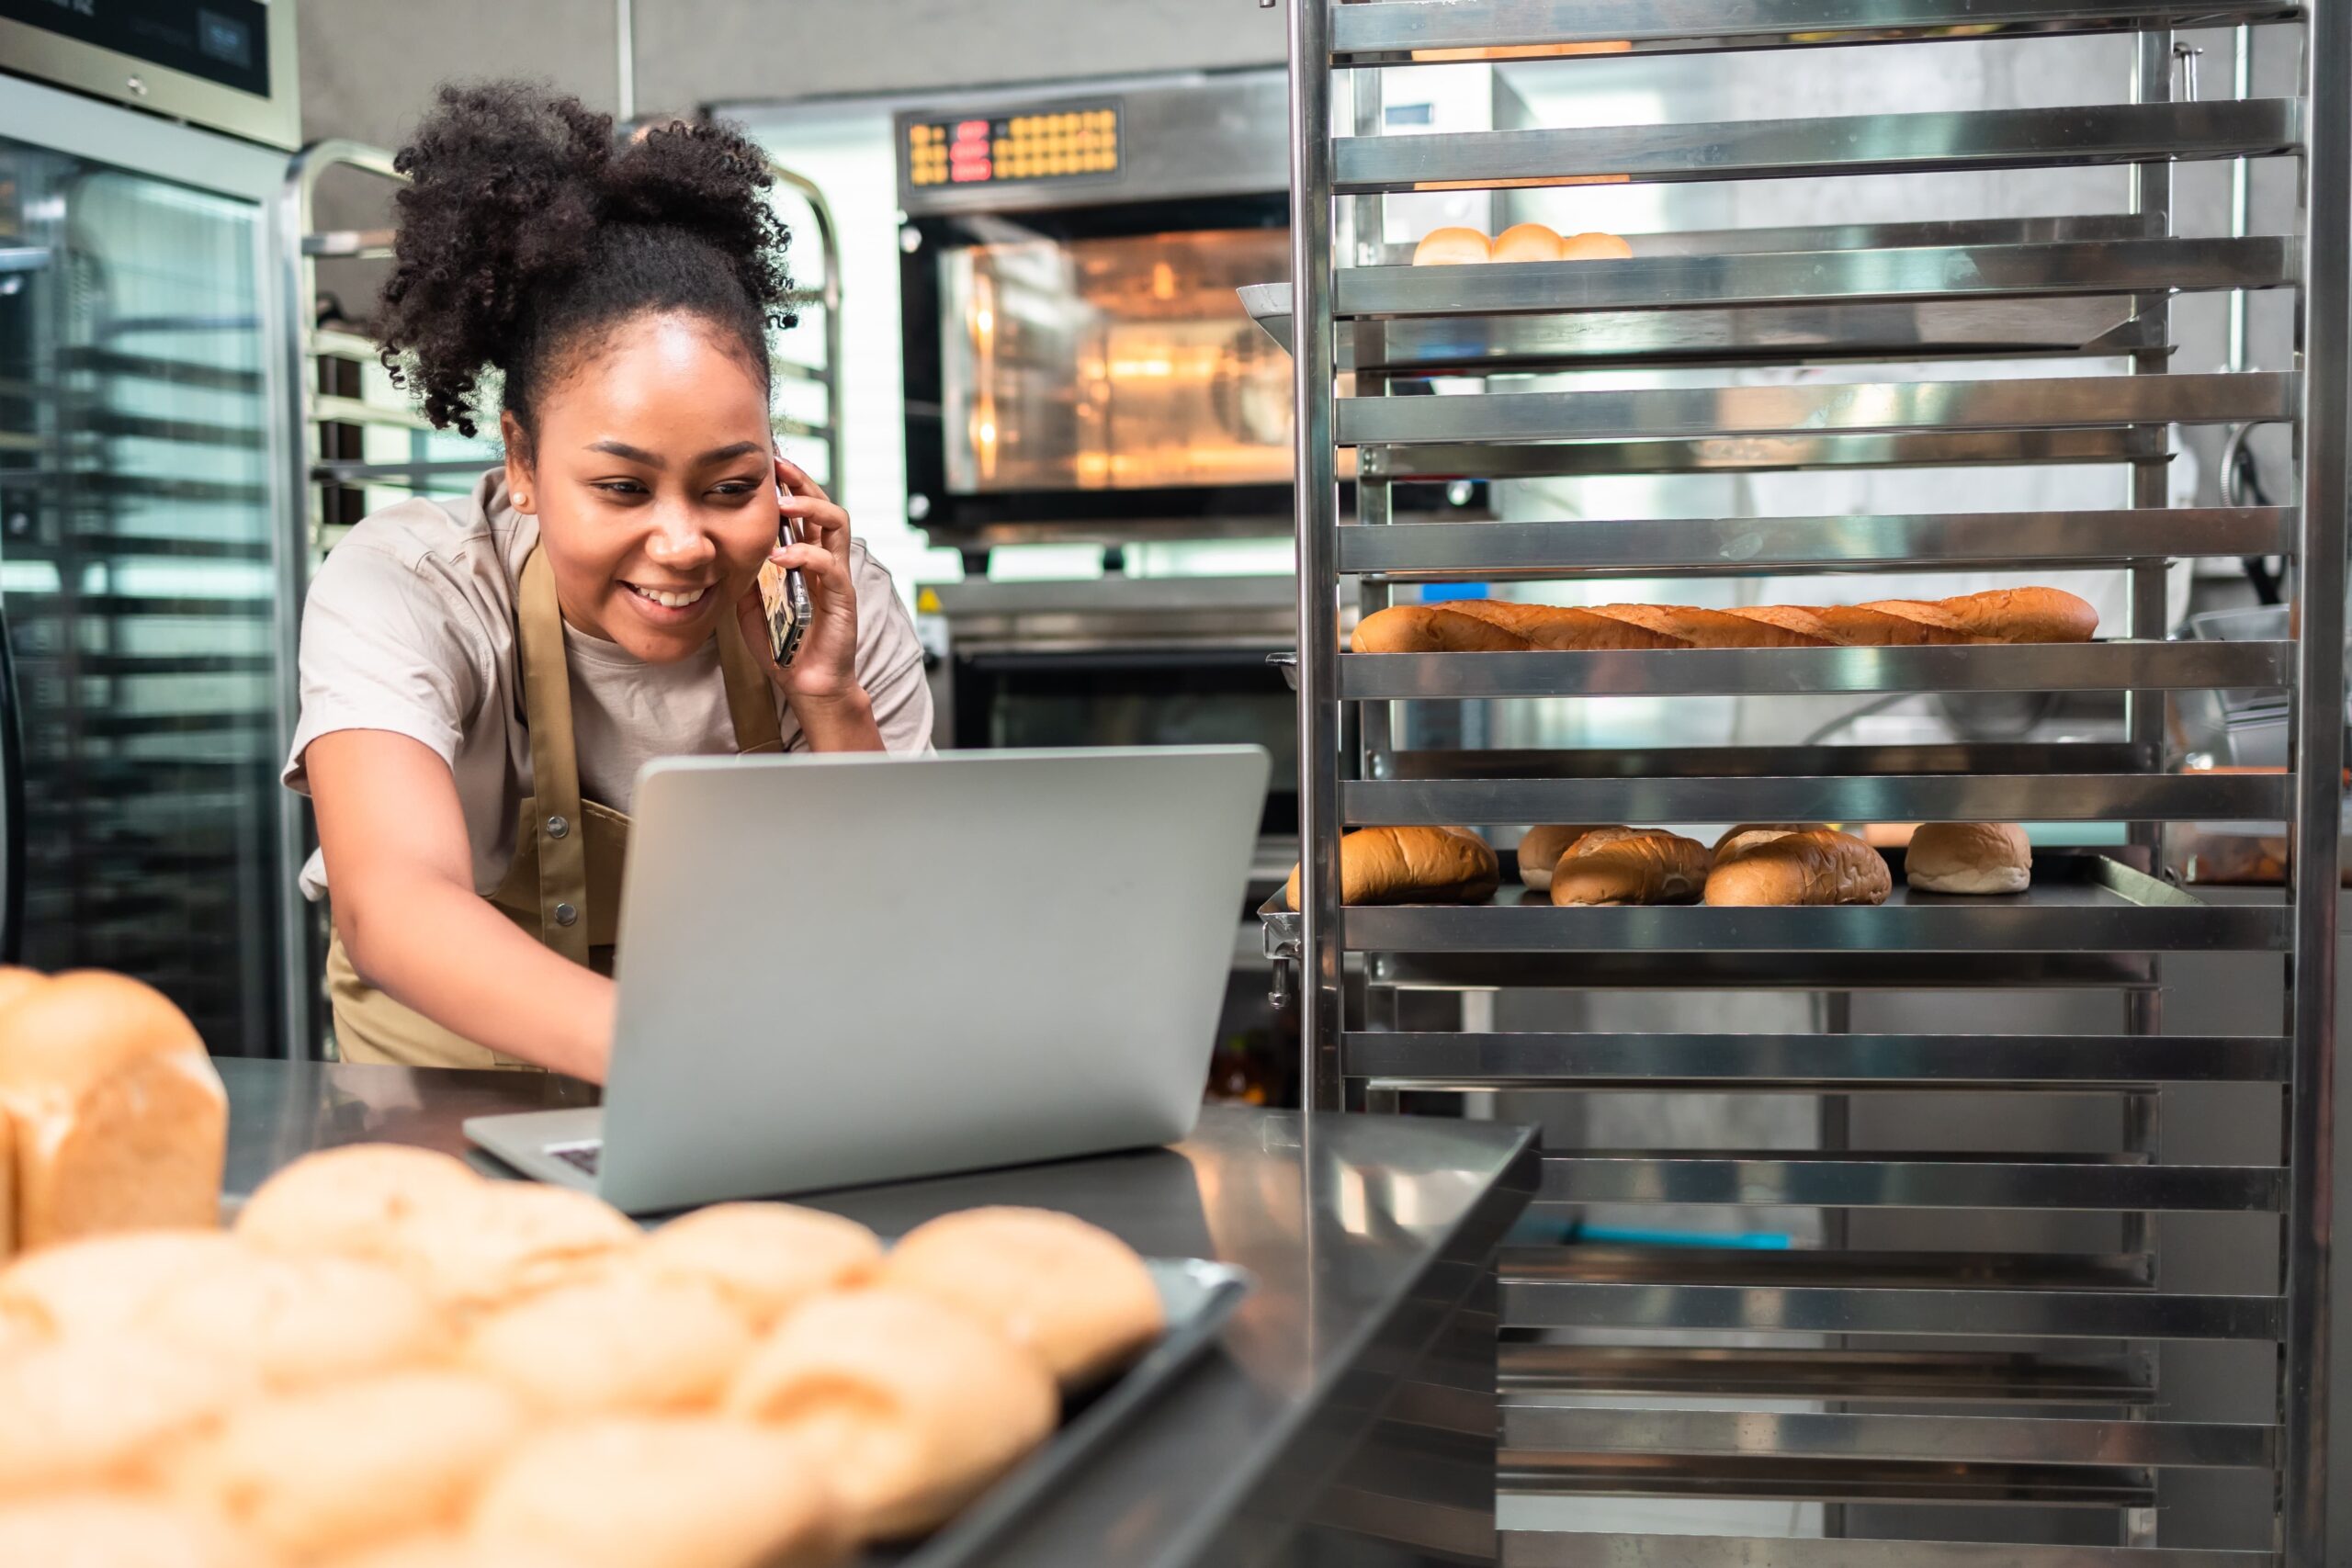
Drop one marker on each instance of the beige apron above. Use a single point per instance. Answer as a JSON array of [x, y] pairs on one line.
[[564, 886]]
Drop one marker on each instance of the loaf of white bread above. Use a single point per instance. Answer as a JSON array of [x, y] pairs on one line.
[[1794, 865], [1411, 866], [1494, 625], [392, 1362], [109, 1106], [1630, 865], [1969, 857]]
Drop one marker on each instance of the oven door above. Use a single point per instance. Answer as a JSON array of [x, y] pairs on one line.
[[1133, 697]]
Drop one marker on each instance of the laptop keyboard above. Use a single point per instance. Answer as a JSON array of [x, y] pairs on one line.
[[584, 1157]]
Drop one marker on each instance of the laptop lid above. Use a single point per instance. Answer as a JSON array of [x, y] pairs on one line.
[[849, 968]]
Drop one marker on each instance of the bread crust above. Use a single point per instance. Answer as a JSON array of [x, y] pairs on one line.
[[1411, 866], [1486, 626], [1980, 858], [1527, 242], [1711, 628], [1541, 848], [2004, 614], [1623, 865], [1739, 836], [1815, 866], [1452, 247]]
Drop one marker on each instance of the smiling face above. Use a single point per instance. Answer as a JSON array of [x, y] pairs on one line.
[[652, 478]]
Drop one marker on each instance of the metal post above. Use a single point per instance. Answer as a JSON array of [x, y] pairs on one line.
[[2241, 189], [2322, 431], [1321, 997], [624, 49]]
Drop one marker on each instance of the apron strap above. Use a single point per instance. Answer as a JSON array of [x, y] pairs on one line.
[[560, 827], [750, 695]]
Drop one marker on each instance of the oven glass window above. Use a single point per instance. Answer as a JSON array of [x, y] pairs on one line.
[[1109, 363]]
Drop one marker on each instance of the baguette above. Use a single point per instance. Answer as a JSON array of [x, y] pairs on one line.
[[1624, 865], [1564, 626], [1432, 628], [2003, 615], [1969, 857], [1541, 849], [1815, 866], [1411, 866], [1853, 626], [1710, 628]]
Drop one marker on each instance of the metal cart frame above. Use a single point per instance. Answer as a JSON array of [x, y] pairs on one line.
[[2100, 925]]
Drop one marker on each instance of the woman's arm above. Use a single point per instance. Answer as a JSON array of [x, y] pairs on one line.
[[401, 874]]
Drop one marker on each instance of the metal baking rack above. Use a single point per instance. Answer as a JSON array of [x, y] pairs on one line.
[[1842, 1376]]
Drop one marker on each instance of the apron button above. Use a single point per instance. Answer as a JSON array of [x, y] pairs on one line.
[[565, 914], [557, 828]]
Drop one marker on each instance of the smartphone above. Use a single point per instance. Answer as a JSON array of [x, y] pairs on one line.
[[784, 596]]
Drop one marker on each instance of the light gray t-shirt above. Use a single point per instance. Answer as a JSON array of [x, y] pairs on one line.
[[409, 627]]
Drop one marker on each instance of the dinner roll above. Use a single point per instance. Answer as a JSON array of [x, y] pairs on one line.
[[1969, 857], [911, 1407], [647, 1493], [95, 1409], [630, 1342], [1072, 1292], [298, 1320], [337, 1468], [765, 1259], [1451, 247], [1541, 848], [120, 1121], [1594, 245], [507, 1240], [358, 1200], [114, 1529], [1526, 243], [104, 1283]]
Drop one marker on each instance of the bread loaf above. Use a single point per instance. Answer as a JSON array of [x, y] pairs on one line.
[[914, 1408], [1710, 628], [1624, 865], [119, 1121], [1073, 1293], [1541, 849], [1814, 867], [1969, 857], [1564, 627], [2003, 615], [1739, 837], [1451, 247], [1527, 241], [641, 1493], [1411, 866], [1852, 627], [1431, 628], [1497, 625], [765, 1259]]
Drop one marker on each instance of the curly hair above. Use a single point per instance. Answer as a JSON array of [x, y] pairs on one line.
[[526, 235]]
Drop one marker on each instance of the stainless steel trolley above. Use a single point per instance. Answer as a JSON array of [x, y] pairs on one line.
[[1936, 1378]]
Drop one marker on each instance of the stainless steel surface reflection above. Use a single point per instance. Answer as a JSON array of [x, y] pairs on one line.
[[1363, 1233]]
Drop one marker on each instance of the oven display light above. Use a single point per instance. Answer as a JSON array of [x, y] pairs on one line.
[[1067, 144]]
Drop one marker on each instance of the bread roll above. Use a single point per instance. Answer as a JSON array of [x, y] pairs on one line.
[[1709, 628], [113, 1529], [630, 1344], [1541, 849], [1451, 247], [1969, 857], [347, 1466], [2003, 615], [96, 1409], [510, 1240], [1817, 866], [1625, 865], [120, 1120], [1738, 838], [913, 1408], [1411, 866], [105, 1282], [1072, 1293], [765, 1259], [448, 1548], [298, 1321], [643, 1492], [1594, 245], [1527, 242], [1564, 627], [360, 1200]]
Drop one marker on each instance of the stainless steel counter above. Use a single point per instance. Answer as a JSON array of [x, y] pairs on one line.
[[1367, 1235]]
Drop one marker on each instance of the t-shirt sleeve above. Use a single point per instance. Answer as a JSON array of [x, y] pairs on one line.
[[889, 661], [387, 645]]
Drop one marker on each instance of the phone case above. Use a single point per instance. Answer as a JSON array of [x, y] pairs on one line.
[[785, 597]]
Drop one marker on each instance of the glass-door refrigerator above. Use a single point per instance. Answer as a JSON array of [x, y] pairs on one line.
[[146, 584]]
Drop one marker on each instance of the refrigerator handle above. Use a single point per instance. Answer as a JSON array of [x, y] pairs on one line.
[[12, 805]]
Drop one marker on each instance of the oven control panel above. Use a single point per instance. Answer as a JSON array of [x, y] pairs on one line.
[[1074, 140]]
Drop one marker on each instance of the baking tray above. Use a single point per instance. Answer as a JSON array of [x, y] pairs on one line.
[[2080, 904], [1198, 1296]]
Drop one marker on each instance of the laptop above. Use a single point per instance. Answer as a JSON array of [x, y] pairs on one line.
[[842, 969]]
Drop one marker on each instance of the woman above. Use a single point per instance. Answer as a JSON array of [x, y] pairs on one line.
[[483, 678]]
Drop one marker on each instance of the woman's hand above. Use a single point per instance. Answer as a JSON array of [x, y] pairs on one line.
[[822, 685]]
